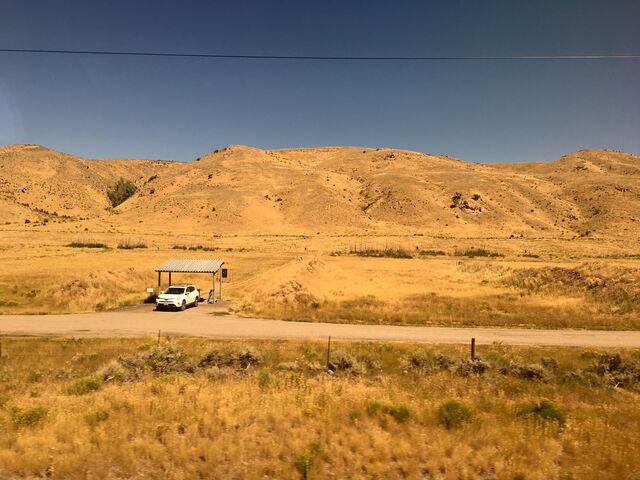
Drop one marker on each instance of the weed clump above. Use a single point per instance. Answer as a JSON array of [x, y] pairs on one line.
[[453, 414], [28, 417], [345, 362], [616, 370], [400, 413], [130, 244], [543, 410], [166, 359], [387, 252], [431, 253], [531, 371], [87, 244], [234, 358], [94, 418], [474, 366], [477, 252]]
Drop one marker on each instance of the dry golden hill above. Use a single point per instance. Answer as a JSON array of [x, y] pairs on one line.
[[38, 183], [342, 190]]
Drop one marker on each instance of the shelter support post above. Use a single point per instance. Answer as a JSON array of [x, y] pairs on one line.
[[169, 278], [220, 280], [159, 282]]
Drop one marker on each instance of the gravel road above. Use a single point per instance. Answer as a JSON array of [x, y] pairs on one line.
[[201, 321]]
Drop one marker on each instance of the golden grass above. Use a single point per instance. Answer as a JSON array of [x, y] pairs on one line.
[[287, 416], [581, 284]]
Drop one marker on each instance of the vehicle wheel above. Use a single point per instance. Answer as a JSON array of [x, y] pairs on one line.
[[183, 306], [195, 303]]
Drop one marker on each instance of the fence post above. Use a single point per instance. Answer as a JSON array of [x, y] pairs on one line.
[[328, 352], [473, 348], [158, 337]]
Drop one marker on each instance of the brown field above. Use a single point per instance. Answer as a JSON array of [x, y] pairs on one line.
[[555, 242], [578, 284], [70, 409], [334, 234]]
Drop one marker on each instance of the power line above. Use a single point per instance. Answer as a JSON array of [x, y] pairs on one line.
[[322, 57]]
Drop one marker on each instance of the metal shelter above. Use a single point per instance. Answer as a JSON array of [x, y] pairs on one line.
[[189, 265]]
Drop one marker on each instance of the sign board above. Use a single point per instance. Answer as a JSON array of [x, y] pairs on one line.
[[150, 290], [225, 273]]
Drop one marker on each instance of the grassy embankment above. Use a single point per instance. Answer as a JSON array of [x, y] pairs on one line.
[[114, 408]]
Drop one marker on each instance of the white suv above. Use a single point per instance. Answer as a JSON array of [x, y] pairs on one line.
[[178, 296]]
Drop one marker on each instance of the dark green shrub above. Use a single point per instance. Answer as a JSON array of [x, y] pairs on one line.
[[84, 385], [542, 410], [453, 413], [122, 190]]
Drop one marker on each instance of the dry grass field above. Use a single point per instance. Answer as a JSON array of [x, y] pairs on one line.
[[334, 234], [193, 408], [536, 283], [340, 234]]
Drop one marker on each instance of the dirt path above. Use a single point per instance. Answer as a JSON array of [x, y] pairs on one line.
[[143, 321]]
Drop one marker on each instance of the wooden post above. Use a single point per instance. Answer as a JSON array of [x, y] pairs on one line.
[[159, 282], [169, 278], [328, 352], [158, 337], [220, 283], [473, 348], [213, 287], [0, 346]]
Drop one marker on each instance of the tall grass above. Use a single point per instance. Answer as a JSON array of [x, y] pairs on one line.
[[131, 243], [218, 419]]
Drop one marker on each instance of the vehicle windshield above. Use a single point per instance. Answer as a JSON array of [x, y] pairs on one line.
[[174, 290]]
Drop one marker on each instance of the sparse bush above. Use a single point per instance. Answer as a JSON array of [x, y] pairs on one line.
[[343, 361], [303, 462], [264, 378], [130, 244], [96, 417], [386, 252], [204, 248], [122, 190], [477, 252], [542, 410], [165, 359], [418, 360], [400, 413], [531, 371], [114, 370], [236, 358], [28, 417], [168, 358], [431, 253], [87, 244], [84, 385], [472, 367], [453, 414]]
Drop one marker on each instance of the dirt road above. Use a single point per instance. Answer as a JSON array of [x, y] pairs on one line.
[[143, 321]]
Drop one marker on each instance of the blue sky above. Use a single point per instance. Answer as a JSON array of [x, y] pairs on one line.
[[175, 108]]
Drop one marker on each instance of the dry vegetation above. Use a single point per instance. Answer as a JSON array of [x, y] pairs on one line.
[[581, 284], [124, 408]]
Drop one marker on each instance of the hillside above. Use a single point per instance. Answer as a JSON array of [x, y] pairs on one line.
[[342, 190]]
